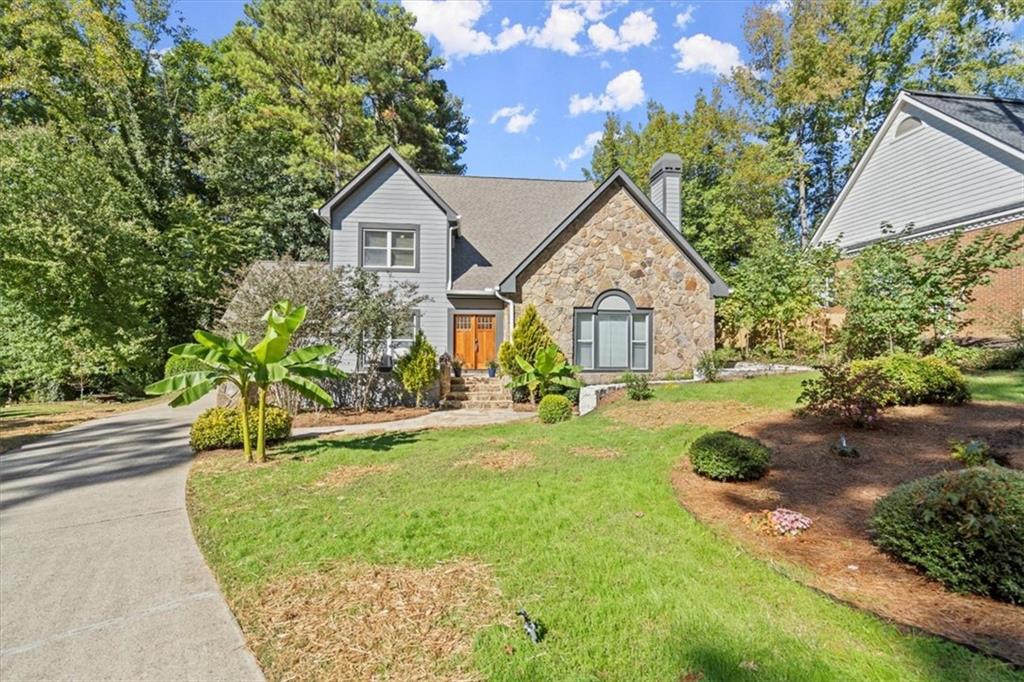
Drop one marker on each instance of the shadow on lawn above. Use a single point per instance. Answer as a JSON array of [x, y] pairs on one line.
[[377, 442]]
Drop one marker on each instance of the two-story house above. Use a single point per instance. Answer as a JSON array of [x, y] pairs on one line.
[[607, 267]]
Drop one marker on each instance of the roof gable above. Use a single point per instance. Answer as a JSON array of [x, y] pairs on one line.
[[999, 119], [369, 170], [968, 119], [619, 178]]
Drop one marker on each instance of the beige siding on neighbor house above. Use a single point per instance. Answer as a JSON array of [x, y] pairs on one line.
[[934, 174], [615, 244]]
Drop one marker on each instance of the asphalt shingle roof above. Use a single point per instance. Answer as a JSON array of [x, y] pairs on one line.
[[501, 221], [1002, 119]]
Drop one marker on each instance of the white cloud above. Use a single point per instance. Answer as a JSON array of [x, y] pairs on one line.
[[701, 52], [684, 18], [510, 36], [779, 6], [605, 64], [581, 150], [622, 93], [515, 120], [560, 29], [452, 24], [561, 163], [637, 29]]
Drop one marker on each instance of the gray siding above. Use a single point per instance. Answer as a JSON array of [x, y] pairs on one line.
[[391, 197], [934, 174]]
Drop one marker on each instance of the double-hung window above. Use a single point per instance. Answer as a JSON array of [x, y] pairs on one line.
[[389, 248], [613, 335]]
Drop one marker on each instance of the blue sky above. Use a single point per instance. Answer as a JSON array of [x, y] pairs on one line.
[[537, 77]]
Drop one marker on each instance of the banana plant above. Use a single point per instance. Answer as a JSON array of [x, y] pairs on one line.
[[265, 364], [548, 369]]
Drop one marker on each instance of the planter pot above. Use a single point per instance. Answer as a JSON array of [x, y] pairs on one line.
[[457, 371], [492, 372]]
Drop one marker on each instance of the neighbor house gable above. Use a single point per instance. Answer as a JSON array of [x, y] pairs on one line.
[[946, 172], [621, 179]]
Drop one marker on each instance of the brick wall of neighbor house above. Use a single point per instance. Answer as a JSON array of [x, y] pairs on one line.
[[996, 305], [616, 245]]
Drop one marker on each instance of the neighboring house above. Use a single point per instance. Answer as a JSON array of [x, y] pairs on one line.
[[607, 267], [940, 163]]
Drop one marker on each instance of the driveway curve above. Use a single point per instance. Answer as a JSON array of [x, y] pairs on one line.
[[100, 578]]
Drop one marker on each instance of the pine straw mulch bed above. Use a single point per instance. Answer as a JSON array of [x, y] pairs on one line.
[[348, 417], [366, 622], [347, 474], [719, 414], [838, 494]]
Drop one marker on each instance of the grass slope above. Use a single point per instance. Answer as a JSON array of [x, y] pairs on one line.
[[630, 586], [23, 423]]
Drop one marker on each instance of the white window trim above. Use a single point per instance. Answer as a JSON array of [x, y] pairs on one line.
[[389, 248]]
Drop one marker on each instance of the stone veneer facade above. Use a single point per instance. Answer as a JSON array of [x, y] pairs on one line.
[[615, 244]]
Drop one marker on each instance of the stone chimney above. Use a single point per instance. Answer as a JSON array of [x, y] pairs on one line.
[[665, 176]]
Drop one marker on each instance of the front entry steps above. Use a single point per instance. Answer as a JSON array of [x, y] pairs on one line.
[[477, 393]]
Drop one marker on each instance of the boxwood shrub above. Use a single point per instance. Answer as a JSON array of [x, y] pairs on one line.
[[963, 528], [554, 408], [177, 364], [915, 380], [221, 427], [727, 456]]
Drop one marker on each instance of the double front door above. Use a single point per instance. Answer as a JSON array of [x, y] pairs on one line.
[[475, 340]]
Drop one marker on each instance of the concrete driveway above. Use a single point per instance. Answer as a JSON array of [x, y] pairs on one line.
[[100, 578]]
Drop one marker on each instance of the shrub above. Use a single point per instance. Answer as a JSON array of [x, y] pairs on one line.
[[179, 364], [529, 337], [971, 453], [554, 408], [637, 386], [711, 363], [962, 528], [856, 397], [727, 456], [417, 369], [221, 427], [913, 380]]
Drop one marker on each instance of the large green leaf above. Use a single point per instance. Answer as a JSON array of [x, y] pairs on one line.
[[566, 381], [523, 364], [308, 354], [272, 348], [211, 340], [192, 393], [275, 372], [178, 382], [310, 390], [318, 371]]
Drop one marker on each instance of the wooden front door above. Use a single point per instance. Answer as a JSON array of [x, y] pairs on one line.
[[474, 340]]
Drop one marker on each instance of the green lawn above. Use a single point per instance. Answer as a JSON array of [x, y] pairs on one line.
[[630, 585], [1004, 385]]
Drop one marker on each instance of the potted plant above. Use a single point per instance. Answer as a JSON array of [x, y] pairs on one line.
[[457, 366], [492, 368]]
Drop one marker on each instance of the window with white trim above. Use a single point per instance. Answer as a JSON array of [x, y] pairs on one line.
[[389, 248], [613, 335]]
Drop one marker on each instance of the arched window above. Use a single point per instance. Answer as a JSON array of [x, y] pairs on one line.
[[613, 335], [907, 125]]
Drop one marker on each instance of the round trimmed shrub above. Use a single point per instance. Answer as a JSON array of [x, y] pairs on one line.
[[221, 427], [728, 456], [963, 528], [913, 380], [554, 408], [176, 364]]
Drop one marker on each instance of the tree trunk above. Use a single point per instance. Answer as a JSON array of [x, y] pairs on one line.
[[261, 419], [804, 226], [243, 409]]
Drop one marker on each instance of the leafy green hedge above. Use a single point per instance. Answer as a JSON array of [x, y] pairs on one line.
[[177, 364], [727, 456], [221, 427], [915, 380], [963, 528], [554, 408]]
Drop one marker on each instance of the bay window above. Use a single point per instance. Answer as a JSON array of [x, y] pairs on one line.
[[613, 335]]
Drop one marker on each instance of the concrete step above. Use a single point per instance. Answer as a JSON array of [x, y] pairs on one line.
[[477, 395]]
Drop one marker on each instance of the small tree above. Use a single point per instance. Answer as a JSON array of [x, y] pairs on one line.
[[373, 313], [529, 337], [417, 369], [898, 291], [266, 363]]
